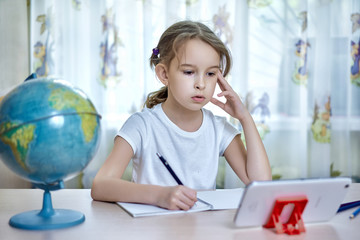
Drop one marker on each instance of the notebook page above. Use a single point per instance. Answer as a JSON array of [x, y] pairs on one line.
[[142, 210], [222, 199]]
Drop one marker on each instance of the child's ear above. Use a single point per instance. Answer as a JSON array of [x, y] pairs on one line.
[[161, 73]]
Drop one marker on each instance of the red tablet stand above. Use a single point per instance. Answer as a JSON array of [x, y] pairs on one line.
[[295, 224]]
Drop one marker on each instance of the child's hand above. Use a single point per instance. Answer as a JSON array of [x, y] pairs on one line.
[[233, 104], [177, 198]]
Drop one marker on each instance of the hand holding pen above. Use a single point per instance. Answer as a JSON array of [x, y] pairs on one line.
[[177, 197]]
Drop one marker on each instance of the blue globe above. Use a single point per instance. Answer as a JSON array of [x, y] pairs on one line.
[[49, 130]]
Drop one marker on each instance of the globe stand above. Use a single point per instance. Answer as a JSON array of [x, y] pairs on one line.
[[47, 217]]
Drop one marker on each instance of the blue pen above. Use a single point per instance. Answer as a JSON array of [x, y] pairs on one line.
[[354, 214], [348, 205], [166, 164]]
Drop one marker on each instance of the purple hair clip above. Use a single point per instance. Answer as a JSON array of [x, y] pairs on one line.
[[155, 51]]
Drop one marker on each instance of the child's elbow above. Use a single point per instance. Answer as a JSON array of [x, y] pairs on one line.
[[260, 177], [94, 193]]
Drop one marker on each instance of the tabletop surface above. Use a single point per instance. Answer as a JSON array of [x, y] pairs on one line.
[[108, 221]]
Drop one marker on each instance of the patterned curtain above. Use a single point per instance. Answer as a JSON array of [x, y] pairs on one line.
[[296, 67]]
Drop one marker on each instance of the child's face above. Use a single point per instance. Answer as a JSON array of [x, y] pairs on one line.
[[192, 75]]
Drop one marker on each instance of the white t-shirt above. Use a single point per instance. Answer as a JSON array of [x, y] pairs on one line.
[[193, 156]]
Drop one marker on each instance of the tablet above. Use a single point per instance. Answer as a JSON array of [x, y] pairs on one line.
[[324, 198]]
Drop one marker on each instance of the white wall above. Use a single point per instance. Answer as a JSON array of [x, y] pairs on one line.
[[14, 64]]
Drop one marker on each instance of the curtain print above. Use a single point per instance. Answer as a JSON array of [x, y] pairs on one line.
[[321, 125], [110, 74], [355, 50], [259, 111], [300, 75], [190, 2], [221, 25], [76, 4], [259, 3], [43, 63], [334, 172], [262, 109]]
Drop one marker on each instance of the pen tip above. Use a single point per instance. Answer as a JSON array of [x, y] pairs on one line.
[[158, 154]]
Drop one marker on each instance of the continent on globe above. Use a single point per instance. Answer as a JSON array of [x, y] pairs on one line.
[[62, 99], [18, 138]]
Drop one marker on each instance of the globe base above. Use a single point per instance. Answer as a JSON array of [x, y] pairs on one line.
[[47, 217], [33, 220]]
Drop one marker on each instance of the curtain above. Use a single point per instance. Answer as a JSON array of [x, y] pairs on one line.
[[295, 66]]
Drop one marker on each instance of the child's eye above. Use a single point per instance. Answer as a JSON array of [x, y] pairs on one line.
[[188, 72], [211, 74]]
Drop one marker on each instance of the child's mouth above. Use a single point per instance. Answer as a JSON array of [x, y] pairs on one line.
[[198, 98]]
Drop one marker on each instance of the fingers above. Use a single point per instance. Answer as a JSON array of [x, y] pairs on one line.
[[225, 94], [182, 198], [217, 102], [220, 81], [225, 89], [185, 204], [223, 84], [190, 193]]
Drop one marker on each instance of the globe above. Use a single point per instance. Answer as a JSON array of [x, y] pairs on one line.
[[49, 132]]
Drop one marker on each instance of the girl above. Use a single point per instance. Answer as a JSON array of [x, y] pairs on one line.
[[189, 60]]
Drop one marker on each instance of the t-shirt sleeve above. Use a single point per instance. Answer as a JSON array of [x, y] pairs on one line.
[[133, 131], [229, 132]]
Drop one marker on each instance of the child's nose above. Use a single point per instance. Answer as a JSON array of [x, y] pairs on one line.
[[200, 83]]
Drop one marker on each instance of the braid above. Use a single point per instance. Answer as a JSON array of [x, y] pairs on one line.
[[156, 97]]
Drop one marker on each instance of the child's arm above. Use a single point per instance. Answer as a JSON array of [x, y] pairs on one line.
[[252, 163], [108, 185]]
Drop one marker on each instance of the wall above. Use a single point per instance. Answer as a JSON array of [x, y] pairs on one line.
[[14, 64]]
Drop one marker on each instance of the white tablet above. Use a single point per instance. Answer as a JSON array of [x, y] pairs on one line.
[[324, 195]]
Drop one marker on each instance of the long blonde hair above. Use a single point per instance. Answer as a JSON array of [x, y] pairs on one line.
[[172, 39]]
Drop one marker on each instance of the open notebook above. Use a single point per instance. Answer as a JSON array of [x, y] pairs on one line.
[[219, 199]]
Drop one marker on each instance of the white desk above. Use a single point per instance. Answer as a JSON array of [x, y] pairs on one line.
[[109, 221]]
